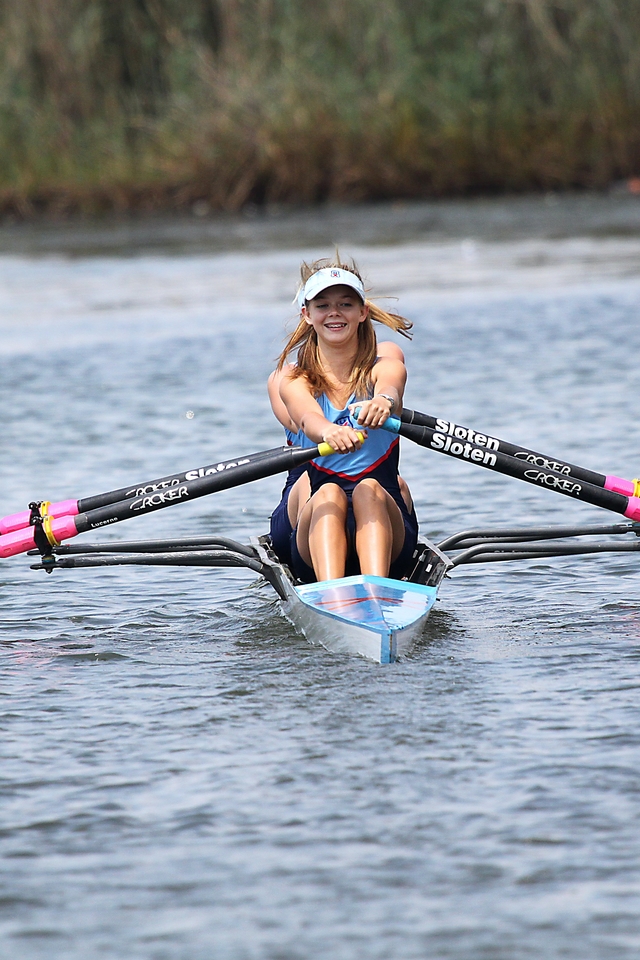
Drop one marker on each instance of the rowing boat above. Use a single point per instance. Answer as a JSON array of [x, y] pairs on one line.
[[373, 617]]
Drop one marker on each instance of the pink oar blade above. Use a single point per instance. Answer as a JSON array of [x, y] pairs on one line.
[[18, 521], [633, 510], [619, 485], [19, 541]]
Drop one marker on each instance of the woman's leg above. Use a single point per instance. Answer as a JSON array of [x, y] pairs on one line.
[[405, 493], [321, 537], [379, 528], [298, 496]]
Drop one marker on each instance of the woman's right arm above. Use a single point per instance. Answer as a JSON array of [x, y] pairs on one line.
[[303, 408]]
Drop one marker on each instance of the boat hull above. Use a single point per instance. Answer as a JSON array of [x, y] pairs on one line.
[[375, 617]]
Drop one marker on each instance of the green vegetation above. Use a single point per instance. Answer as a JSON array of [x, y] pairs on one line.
[[144, 104]]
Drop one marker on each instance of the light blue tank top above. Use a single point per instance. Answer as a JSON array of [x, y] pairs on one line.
[[352, 466], [294, 439]]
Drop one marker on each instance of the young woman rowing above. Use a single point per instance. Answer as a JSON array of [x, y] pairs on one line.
[[297, 488], [356, 517]]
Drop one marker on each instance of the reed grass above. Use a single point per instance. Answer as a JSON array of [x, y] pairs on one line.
[[147, 104]]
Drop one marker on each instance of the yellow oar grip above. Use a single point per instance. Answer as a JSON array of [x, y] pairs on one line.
[[324, 449], [636, 488]]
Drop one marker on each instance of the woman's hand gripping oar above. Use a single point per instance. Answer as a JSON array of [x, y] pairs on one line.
[[485, 454], [454, 431], [49, 531]]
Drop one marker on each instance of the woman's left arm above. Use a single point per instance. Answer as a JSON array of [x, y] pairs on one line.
[[389, 377]]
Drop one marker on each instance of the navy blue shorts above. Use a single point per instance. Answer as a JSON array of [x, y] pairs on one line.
[[280, 528], [400, 567]]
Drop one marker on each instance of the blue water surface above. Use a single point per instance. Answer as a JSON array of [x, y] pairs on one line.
[[183, 777]]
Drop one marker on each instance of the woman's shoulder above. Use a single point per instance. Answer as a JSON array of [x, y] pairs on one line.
[[390, 350]]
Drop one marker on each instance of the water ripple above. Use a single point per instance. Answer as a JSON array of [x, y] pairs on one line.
[[182, 776]]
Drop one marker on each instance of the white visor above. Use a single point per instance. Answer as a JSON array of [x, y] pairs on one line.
[[329, 277]]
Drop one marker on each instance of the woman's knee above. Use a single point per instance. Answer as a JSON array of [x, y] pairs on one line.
[[372, 502], [329, 501], [329, 493], [368, 492], [300, 493]]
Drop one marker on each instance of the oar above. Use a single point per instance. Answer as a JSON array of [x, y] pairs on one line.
[[630, 488], [485, 455], [71, 508], [49, 531]]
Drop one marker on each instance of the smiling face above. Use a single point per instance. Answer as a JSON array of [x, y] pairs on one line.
[[335, 314]]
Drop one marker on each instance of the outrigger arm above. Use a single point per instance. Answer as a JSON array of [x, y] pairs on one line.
[[536, 543], [432, 561], [183, 552]]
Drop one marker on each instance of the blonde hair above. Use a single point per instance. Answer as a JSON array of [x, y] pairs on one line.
[[305, 339]]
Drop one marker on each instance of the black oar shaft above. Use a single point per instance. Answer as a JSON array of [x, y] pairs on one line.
[[532, 457], [51, 530], [162, 483], [236, 473], [492, 459], [71, 508]]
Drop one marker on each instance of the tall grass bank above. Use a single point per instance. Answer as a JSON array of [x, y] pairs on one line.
[[145, 104]]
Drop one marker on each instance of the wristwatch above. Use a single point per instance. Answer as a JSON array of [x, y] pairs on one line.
[[386, 396]]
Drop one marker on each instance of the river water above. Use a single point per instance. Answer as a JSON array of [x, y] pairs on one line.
[[183, 777]]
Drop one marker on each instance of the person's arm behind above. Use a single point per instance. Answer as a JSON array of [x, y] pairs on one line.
[[277, 405]]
